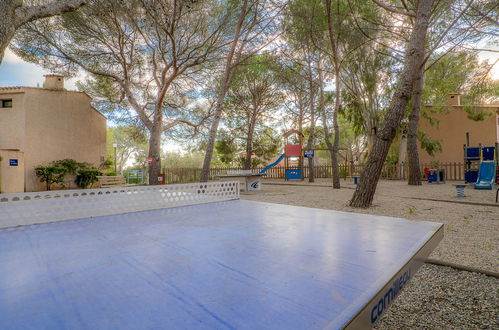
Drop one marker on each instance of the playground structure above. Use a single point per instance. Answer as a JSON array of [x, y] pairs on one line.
[[294, 155], [481, 166]]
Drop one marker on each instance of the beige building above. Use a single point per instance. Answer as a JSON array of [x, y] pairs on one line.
[[453, 126], [41, 125]]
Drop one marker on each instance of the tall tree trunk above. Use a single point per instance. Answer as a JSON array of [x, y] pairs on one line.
[[310, 146], [205, 172], [249, 145], [155, 153], [336, 127], [322, 110], [371, 137], [336, 64], [301, 164], [415, 52], [310, 141], [414, 178], [226, 81]]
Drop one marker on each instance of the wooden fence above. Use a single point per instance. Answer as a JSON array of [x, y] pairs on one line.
[[453, 172]]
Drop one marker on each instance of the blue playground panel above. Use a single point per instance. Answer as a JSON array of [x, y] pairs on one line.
[[236, 264], [472, 153], [488, 153], [293, 174], [470, 176]]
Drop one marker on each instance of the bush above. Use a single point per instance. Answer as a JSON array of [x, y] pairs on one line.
[[51, 174], [86, 177], [70, 164], [85, 174]]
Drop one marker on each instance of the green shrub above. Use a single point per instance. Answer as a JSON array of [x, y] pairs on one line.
[[70, 164], [85, 174], [51, 174], [86, 177], [110, 173]]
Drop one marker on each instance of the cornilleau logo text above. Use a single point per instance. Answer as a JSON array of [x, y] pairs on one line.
[[392, 292]]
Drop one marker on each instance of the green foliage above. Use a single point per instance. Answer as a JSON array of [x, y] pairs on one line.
[[253, 97], [84, 173], [226, 147], [305, 18], [110, 172], [447, 75], [368, 78], [131, 141], [267, 144], [478, 113], [70, 165], [429, 145], [393, 155], [51, 174], [86, 177], [108, 166], [459, 72], [191, 159]]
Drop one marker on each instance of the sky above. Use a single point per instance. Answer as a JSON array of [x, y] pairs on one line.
[[16, 72]]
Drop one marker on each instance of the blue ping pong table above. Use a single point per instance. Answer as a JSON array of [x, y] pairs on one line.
[[232, 264]]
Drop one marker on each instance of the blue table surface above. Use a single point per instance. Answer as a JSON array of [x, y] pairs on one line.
[[236, 264]]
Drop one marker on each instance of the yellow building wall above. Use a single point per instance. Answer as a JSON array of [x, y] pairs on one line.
[[12, 128], [451, 133], [59, 125]]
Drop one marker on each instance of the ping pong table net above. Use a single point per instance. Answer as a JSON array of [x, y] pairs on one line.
[[50, 206]]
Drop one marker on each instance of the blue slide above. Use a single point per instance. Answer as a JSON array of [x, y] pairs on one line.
[[486, 175], [272, 165]]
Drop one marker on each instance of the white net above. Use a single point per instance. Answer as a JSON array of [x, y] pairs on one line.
[[49, 206]]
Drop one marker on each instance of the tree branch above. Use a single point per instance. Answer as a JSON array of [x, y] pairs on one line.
[[177, 122], [27, 14], [394, 10]]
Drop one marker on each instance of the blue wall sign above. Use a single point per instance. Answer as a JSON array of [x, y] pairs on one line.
[[309, 154], [13, 162]]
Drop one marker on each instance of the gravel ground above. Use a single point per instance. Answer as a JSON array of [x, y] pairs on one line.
[[437, 297], [444, 298]]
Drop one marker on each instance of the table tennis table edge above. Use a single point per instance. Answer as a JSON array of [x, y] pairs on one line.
[[369, 314]]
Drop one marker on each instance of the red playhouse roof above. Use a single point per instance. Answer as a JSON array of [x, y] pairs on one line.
[[291, 132]]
